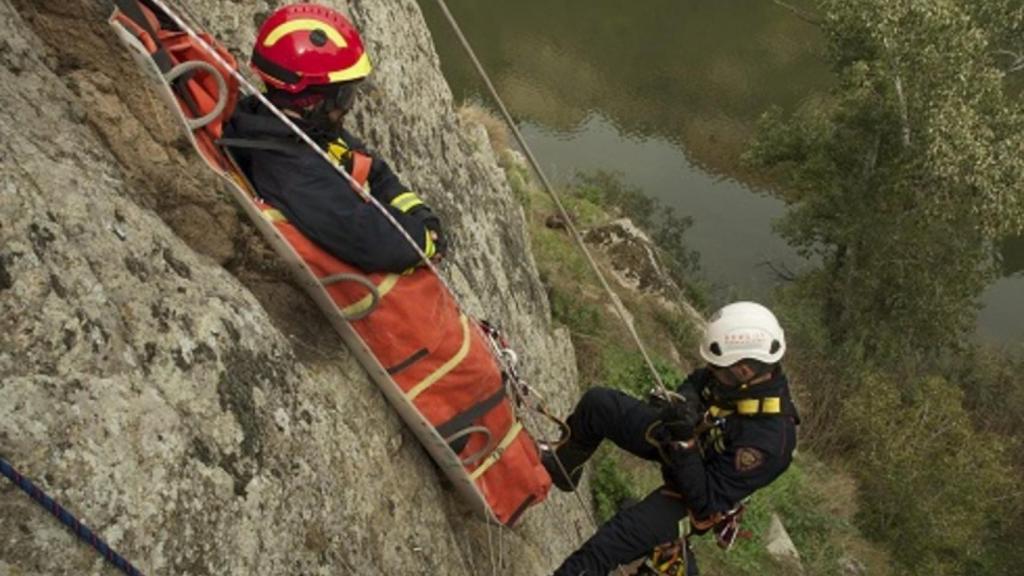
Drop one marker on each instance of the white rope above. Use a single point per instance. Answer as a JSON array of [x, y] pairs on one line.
[[619, 309]]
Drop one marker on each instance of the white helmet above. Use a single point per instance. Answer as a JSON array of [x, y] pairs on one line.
[[741, 331]]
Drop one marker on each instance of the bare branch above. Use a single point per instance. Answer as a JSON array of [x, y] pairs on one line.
[[900, 97], [799, 12], [782, 272], [1016, 62]]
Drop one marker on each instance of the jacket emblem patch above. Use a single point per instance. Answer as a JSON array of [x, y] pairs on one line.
[[748, 459]]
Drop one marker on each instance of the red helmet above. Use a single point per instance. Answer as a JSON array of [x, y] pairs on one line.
[[304, 45]]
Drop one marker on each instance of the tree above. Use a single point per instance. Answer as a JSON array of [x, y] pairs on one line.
[[903, 179]]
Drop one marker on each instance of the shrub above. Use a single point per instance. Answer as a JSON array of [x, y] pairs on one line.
[[929, 482]]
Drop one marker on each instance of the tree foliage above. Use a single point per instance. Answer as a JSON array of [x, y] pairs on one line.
[[902, 182], [905, 177], [931, 484]]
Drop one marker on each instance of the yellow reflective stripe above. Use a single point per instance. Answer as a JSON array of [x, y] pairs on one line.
[[273, 215], [360, 69], [447, 366], [771, 405], [429, 248], [715, 411], [748, 406], [751, 406], [337, 151], [496, 455], [366, 301], [304, 24], [407, 201]]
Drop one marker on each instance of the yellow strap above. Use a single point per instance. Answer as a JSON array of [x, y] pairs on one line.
[[406, 202], [496, 455], [447, 366], [429, 248], [365, 302], [337, 150], [750, 407], [273, 215], [716, 411]]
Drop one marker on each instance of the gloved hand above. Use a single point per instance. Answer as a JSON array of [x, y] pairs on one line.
[[678, 420], [437, 246], [433, 226]]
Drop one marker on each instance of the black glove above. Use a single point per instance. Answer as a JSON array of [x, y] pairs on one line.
[[678, 420], [440, 240], [433, 226]]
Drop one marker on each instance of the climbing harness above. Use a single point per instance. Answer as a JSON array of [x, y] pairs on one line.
[[728, 530], [673, 558], [81, 530], [525, 398], [669, 559], [528, 403]]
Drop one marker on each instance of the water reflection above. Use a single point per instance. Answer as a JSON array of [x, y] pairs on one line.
[[731, 226], [1013, 257], [692, 72], [668, 92]]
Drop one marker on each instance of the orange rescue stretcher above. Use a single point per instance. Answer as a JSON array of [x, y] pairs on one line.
[[432, 361]]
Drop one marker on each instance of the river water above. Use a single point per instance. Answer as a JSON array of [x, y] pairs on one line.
[[667, 92]]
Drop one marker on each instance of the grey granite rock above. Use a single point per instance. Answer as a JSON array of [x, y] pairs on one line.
[[163, 378]]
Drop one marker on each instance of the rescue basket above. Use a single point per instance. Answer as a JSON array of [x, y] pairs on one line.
[[432, 361]]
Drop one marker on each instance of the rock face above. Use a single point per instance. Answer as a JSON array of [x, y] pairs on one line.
[[162, 377], [780, 545], [633, 259]]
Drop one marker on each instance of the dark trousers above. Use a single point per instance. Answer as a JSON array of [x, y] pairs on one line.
[[635, 531]]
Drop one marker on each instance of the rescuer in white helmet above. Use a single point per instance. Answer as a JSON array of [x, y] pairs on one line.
[[730, 431]]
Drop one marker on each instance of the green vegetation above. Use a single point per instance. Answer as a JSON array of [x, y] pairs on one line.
[[903, 181], [904, 178], [805, 497]]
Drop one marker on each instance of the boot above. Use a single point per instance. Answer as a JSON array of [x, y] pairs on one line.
[[569, 457]]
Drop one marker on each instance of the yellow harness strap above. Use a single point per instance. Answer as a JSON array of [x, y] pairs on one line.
[[750, 407], [272, 214], [447, 367], [496, 455], [361, 163]]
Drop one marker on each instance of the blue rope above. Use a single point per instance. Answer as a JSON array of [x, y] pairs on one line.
[[80, 530]]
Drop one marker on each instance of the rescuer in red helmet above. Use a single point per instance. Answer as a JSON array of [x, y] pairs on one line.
[[312, 60]]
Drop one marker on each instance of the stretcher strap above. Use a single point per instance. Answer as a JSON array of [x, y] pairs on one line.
[[364, 303], [132, 10], [361, 164], [471, 415], [513, 432], [412, 359], [447, 366]]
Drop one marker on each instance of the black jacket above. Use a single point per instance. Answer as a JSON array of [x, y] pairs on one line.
[[320, 202], [743, 454]]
